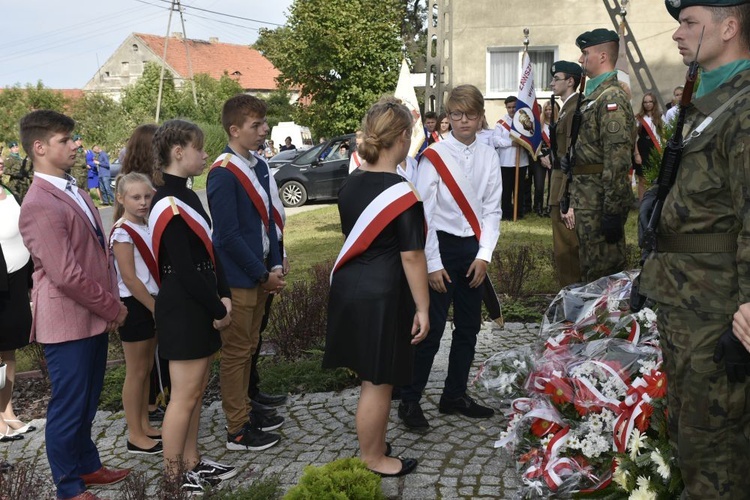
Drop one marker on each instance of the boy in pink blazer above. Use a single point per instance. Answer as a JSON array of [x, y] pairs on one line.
[[76, 302]]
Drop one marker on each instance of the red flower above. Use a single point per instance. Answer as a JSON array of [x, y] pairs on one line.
[[541, 427], [656, 384], [559, 390], [642, 421]]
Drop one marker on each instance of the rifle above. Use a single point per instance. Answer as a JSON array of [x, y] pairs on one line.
[[670, 164], [570, 158], [550, 151]]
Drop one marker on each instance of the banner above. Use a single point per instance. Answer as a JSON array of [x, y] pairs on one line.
[[526, 129], [405, 92]]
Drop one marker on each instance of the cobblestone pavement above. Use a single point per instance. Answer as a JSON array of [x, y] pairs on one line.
[[456, 457]]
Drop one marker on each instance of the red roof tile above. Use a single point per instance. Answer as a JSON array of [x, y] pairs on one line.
[[255, 71]]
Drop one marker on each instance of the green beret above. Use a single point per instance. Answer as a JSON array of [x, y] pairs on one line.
[[675, 6], [596, 37], [76, 137], [12, 144], [567, 67]]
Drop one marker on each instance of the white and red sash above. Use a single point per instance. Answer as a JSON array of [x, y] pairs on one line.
[[458, 185], [376, 216], [505, 124], [165, 210], [277, 207], [435, 136], [650, 132], [252, 187], [357, 160], [545, 135], [143, 245]]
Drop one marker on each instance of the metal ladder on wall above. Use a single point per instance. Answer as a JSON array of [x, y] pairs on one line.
[[616, 12]]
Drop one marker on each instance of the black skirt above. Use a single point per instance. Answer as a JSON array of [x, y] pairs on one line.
[[15, 311], [139, 324]]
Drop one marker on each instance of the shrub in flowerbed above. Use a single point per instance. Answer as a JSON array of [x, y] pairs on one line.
[[343, 479], [587, 404]]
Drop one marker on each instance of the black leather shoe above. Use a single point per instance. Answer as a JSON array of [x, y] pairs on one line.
[[465, 406], [155, 449], [407, 465], [270, 399], [412, 416]]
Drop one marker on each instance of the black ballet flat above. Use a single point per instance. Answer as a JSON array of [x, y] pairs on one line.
[[388, 449], [407, 466]]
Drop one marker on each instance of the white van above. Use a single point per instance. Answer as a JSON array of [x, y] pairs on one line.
[[300, 135]]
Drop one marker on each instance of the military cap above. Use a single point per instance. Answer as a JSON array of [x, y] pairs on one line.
[[596, 37], [675, 6], [567, 67], [12, 144], [76, 137]]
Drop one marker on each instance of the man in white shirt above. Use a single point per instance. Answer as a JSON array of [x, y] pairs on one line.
[[508, 151], [460, 185]]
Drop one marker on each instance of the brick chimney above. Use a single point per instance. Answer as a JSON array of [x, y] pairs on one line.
[[213, 39], [177, 35]]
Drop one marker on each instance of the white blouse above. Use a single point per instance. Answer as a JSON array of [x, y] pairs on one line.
[[16, 255], [141, 270]]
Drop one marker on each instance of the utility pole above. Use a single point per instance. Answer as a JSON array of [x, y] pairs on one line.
[[164, 63], [187, 53], [438, 68]]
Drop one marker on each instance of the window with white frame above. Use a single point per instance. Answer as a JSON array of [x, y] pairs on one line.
[[504, 68]]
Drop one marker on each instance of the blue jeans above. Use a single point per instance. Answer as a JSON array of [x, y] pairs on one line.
[[457, 255], [104, 187]]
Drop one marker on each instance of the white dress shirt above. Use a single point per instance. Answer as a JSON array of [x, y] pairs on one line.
[[506, 148], [480, 164], [15, 253]]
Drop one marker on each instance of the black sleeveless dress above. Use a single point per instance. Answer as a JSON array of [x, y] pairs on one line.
[[370, 308]]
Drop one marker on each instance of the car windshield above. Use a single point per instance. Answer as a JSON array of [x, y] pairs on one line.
[[310, 155]]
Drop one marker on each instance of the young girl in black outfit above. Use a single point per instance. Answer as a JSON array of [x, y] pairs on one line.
[[193, 302]]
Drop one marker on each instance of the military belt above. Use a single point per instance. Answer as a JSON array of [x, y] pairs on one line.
[[594, 168], [556, 164], [697, 243]]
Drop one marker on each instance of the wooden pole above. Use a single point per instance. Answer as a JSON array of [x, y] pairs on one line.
[[163, 63]]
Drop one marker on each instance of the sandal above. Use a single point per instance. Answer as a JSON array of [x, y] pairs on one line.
[[23, 429]]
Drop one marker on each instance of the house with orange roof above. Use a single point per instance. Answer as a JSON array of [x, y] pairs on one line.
[[252, 71]]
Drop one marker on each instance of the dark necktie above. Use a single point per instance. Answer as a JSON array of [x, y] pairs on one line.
[[97, 229]]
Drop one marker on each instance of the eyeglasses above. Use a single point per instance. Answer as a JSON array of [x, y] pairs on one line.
[[457, 115]]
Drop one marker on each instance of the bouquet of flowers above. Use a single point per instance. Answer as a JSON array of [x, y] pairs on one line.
[[590, 417]]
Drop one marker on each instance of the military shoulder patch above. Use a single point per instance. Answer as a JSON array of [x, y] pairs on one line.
[[613, 127], [612, 106]]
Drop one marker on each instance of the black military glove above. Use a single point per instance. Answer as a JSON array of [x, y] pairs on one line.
[[565, 163], [735, 356], [612, 228]]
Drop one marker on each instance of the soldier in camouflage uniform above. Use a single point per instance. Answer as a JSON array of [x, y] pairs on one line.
[[18, 172], [600, 194], [566, 77], [699, 274], [80, 171]]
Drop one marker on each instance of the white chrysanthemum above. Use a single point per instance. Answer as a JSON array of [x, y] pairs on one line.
[[647, 366], [637, 441], [620, 476], [662, 467], [545, 440], [642, 494]]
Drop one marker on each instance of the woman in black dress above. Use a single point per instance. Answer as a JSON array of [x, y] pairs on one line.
[[15, 312], [193, 302], [372, 323]]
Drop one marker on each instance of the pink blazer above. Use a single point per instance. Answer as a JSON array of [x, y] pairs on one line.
[[75, 287]]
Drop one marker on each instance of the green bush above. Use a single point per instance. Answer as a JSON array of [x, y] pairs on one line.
[[343, 479], [262, 489], [304, 375], [111, 398]]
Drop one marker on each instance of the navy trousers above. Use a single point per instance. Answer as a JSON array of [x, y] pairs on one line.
[[457, 255], [76, 371]]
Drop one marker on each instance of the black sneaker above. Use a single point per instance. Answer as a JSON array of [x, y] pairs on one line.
[[208, 469], [251, 438], [255, 405], [411, 415], [269, 421], [156, 415], [465, 406], [193, 483]]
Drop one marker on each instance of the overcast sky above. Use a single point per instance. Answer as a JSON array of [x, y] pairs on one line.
[[63, 43]]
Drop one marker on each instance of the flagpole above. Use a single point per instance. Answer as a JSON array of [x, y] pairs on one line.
[[518, 149]]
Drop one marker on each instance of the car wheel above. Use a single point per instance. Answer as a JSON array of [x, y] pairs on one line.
[[293, 194]]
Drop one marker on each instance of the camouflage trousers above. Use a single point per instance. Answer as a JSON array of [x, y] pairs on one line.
[[709, 418], [597, 257]]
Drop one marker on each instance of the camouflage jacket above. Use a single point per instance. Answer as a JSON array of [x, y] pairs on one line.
[[19, 175], [80, 170], [561, 142], [606, 137], [711, 195]]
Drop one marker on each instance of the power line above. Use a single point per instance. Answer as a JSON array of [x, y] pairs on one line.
[[223, 14]]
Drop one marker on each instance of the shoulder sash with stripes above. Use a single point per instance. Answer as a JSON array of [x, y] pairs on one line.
[[545, 134], [376, 216], [650, 133], [165, 210], [505, 124], [458, 185], [357, 160], [255, 192], [142, 245]]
